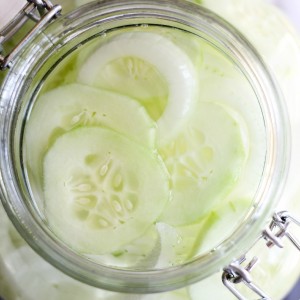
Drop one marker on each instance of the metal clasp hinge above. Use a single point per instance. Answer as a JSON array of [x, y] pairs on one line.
[[235, 273], [41, 12]]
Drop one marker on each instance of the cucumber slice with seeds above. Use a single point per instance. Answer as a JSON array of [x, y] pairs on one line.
[[150, 68], [204, 161], [102, 190], [75, 105]]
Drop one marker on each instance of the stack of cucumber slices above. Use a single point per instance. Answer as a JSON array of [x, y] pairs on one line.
[[135, 166]]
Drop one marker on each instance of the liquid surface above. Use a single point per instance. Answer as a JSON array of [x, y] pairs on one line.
[[139, 148]]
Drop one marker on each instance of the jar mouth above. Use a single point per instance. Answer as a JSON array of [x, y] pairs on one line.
[[75, 29]]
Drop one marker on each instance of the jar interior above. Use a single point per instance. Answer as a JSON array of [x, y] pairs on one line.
[[206, 158], [144, 144]]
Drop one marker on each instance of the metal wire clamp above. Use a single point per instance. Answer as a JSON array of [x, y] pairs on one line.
[[39, 11], [235, 273]]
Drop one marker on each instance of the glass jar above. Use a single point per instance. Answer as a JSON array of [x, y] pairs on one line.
[[27, 78]]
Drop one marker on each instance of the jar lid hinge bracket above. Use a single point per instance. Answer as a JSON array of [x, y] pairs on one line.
[[39, 11], [235, 273]]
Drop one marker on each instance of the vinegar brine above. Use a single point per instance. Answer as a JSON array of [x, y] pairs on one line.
[[142, 145]]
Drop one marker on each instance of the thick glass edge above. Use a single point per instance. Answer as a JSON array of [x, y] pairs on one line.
[[155, 281]]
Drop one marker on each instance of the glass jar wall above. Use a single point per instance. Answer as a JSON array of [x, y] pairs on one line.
[[61, 285]]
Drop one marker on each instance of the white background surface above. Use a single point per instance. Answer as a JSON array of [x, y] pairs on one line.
[[292, 9]]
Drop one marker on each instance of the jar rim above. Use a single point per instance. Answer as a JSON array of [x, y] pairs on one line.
[[103, 14]]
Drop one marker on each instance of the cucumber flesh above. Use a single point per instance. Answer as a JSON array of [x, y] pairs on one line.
[[102, 190], [132, 63], [204, 162], [180, 244], [85, 136], [74, 105], [219, 224], [140, 253]]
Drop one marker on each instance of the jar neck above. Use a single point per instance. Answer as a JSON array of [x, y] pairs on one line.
[[70, 31]]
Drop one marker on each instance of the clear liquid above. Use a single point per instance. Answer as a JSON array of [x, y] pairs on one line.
[[206, 192]]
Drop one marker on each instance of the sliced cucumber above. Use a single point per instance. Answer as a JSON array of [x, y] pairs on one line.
[[219, 224], [74, 105], [180, 244], [204, 161], [140, 253], [169, 241], [102, 190], [150, 68]]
